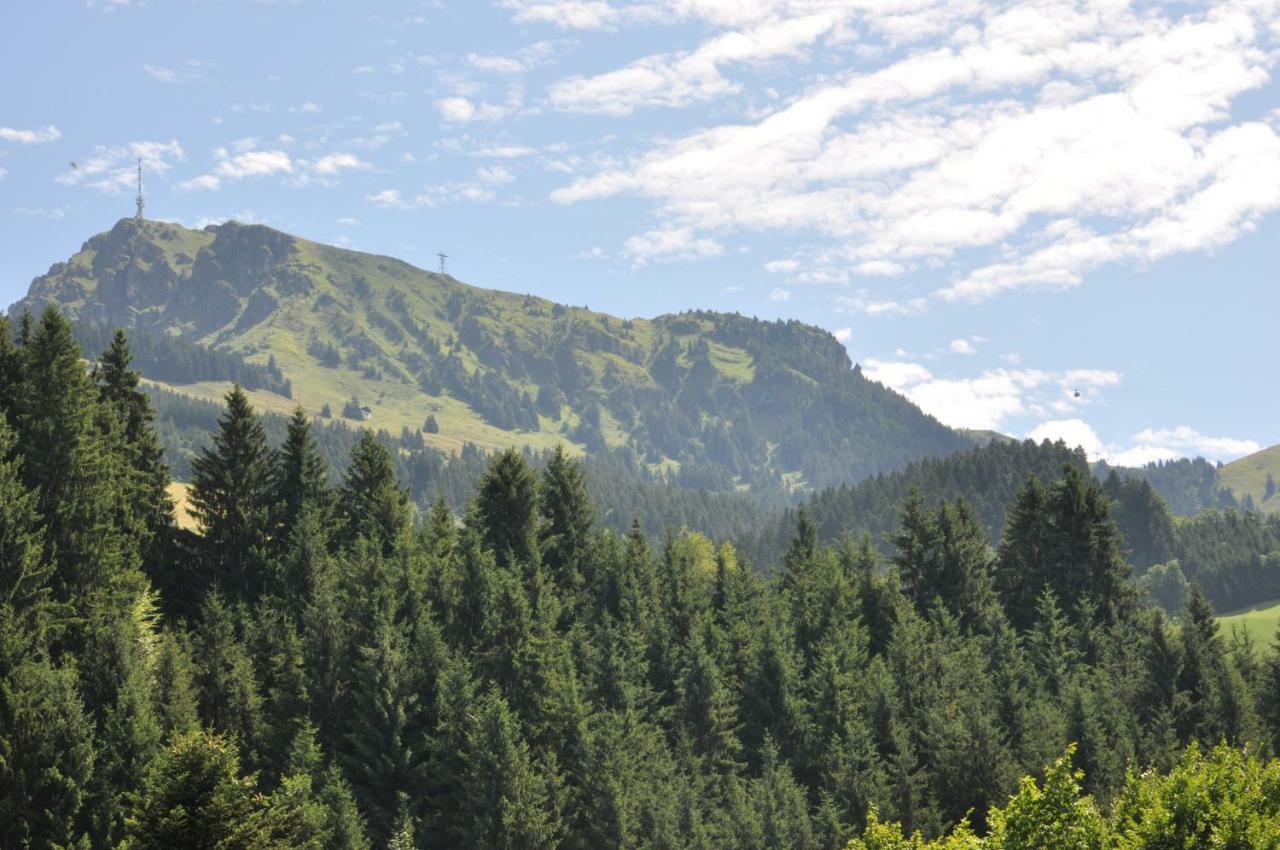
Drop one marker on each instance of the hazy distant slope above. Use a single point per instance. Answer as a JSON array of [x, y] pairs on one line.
[[1248, 475], [721, 401]]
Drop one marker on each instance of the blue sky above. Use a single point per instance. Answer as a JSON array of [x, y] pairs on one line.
[[992, 204]]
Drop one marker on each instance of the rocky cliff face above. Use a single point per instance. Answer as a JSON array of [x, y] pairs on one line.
[[162, 278]]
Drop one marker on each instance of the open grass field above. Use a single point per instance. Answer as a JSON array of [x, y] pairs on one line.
[[1260, 622], [178, 492]]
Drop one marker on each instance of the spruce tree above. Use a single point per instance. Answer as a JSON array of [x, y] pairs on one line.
[[804, 546], [782, 804], [306, 563], [384, 752], [278, 660], [26, 611], [371, 502], [504, 794], [233, 497], [568, 518], [119, 687], [507, 507], [706, 713], [11, 372], [46, 758], [1200, 675], [69, 463], [942, 555], [301, 477], [1062, 537], [177, 707], [230, 699], [1269, 694], [196, 797], [149, 478]]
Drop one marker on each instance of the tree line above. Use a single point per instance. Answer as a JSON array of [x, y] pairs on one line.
[[176, 361], [318, 669]]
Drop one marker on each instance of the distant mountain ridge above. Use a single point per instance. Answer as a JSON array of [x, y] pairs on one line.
[[717, 401]]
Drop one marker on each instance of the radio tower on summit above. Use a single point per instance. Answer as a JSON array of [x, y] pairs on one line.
[[140, 202]]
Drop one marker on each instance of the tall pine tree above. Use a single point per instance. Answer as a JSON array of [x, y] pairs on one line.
[[149, 476], [302, 477], [507, 505], [233, 497], [371, 502]]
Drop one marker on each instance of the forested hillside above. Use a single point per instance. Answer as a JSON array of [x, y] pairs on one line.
[[986, 477], [1188, 486], [317, 670], [719, 401], [622, 489]]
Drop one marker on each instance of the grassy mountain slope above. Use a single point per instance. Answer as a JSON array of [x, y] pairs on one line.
[[720, 401], [1248, 475]]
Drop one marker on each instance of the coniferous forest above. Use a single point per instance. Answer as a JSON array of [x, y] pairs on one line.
[[327, 666]]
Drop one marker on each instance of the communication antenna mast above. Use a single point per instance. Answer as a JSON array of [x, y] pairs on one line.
[[444, 268], [140, 202]]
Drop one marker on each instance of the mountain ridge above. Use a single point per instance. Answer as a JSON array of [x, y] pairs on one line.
[[720, 400]]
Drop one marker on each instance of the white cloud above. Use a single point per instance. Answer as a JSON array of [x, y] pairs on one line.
[[243, 159], [896, 374], [1147, 446], [30, 137], [461, 110], [863, 303], [209, 182], [334, 163], [252, 163], [778, 295], [843, 334], [684, 78], [40, 212], [1073, 432], [983, 402], [389, 199], [478, 191], [781, 266], [523, 60], [879, 268], [670, 244], [1189, 441], [495, 175], [1042, 140], [190, 71], [348, 221], [568, 14], [496, 64], [506, 151], [962, 346], [993, 397], [115, 169]]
